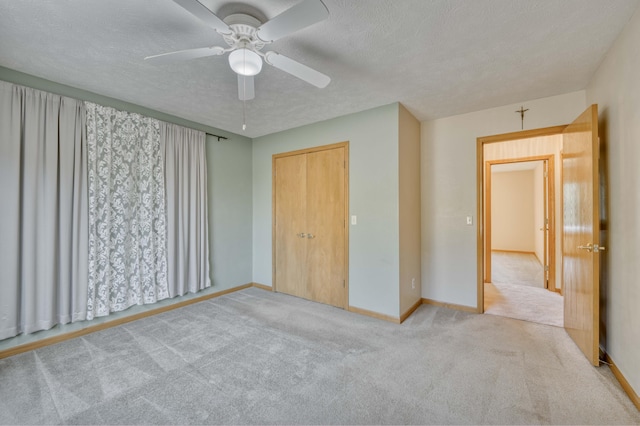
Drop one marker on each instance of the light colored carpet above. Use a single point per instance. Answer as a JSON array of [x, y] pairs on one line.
[[256, 357], [524, 303], [516, 268], [517, 290]]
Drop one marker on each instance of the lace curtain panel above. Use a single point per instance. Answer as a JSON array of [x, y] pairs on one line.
[[185, 165], [127, 227], [43, 226]]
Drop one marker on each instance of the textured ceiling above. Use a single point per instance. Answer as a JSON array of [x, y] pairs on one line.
[[437, 57]]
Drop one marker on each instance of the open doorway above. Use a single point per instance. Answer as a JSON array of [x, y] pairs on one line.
[[577, 214], [520, 278], [520, 221]]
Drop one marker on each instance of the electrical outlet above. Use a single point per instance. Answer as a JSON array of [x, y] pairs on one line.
[[413, 283], [469, 220]]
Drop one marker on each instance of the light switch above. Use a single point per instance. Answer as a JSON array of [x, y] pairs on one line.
[[354, 219], [469, 220]]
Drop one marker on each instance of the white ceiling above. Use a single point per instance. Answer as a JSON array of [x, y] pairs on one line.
[[437, 57]]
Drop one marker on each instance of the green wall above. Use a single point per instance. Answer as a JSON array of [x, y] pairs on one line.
[[230, 211], [373, 197]]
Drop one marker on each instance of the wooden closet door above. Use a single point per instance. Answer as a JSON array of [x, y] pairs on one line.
[[291, 225], [326, 226]]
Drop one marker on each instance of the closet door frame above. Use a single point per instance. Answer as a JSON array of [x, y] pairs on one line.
[[344, 145]]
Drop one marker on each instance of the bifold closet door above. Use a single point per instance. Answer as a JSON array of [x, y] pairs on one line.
[[325, 223], [291, 224], [309, 225]]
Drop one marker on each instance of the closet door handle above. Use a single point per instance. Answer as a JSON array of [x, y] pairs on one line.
[[301, 235], [310, 236], [592, 248]]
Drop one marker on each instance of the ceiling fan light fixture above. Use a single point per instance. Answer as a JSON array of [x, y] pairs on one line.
[[245, 62]]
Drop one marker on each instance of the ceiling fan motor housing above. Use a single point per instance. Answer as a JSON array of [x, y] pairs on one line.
[[243, 35]]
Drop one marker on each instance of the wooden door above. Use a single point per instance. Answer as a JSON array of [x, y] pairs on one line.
[[326, 226], [290, 228], [310, 197], [581, 236]]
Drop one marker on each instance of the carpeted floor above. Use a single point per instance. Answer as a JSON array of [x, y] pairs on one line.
[[516, 268], [517, 290], [524, 303], [256, 357]]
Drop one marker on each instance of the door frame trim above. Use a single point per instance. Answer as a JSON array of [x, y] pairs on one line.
[[274, 157], [480, 142]]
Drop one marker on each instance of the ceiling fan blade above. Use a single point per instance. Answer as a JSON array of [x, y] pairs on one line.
[[300, 16], [201, 12], [185, 55], [297, 69], [245, 87]]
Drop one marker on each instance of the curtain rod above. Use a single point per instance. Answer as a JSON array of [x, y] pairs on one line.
[[216, 136]]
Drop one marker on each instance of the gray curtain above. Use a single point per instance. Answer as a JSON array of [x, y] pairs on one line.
[[43, 210], [127, 225], [185, 166]]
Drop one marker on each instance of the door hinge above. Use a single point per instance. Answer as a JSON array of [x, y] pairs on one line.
[[546, 268]]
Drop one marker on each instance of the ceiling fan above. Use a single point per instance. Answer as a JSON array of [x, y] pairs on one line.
[[247, 36]]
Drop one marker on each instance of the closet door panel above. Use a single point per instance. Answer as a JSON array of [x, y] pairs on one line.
[[326, 223], [291, 225]]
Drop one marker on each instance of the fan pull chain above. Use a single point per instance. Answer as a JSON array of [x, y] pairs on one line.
[[244, 94], [244, 115]]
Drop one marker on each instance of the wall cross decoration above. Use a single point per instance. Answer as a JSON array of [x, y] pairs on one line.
[[522, 111]]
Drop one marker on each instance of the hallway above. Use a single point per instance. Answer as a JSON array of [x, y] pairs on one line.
[[517, 290]]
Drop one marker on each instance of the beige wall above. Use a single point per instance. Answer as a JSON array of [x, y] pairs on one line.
[[409, 205], [616, 89], [448, 186], [512, 211]]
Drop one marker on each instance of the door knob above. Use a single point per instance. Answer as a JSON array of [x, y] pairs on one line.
[[587, 247], [310, 236], [592, 248], [301, 235]]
